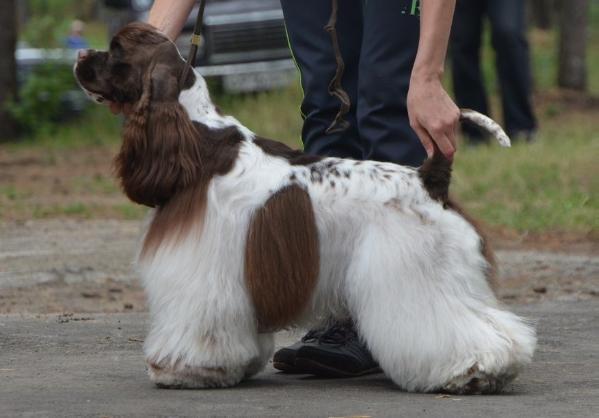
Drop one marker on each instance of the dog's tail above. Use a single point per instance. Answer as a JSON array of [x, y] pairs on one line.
[[436, 170], [487, 124]]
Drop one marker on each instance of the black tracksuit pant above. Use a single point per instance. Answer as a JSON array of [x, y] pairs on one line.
[[512, 60], [378, 41]]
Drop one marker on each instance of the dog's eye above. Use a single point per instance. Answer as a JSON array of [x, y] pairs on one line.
[[115, 45], [116, 50], [120, 69]]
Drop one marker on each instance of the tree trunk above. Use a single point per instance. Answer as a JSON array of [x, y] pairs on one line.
[[542, 13], [8, 67], [572, 72]]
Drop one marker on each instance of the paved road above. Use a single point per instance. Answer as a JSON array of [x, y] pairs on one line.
[[91, 365]]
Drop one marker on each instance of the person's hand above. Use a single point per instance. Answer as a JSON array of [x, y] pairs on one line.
[[433, 115], [117, 108]]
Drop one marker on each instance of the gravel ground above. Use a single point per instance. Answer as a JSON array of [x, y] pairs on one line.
[[85, 266]]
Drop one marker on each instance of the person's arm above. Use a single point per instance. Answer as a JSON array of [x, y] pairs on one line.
[[169, 16], [433, 114]]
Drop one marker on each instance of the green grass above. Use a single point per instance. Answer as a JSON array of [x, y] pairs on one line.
[[552, 184], [270, 114], [97, 184], [78, 210], [130, 211]]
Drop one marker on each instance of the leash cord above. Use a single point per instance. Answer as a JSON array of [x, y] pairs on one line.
[[195, 41], [335, 87]]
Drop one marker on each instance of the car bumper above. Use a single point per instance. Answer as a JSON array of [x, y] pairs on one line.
[[244, 68]]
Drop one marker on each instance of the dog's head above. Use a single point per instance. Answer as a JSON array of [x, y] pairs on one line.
[[140, 60], [161, 152]]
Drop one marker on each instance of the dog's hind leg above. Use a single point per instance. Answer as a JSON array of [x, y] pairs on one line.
[[427, 314]]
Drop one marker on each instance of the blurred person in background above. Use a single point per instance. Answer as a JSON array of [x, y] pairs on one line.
[[75, 37], [508, 37]]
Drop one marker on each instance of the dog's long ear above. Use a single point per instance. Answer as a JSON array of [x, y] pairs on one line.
[[161, 152]]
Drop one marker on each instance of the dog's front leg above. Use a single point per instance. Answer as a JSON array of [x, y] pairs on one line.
[[203, 332]]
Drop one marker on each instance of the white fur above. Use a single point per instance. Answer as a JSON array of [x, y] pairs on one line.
[[409, 272], [196, 101], [488, 124]]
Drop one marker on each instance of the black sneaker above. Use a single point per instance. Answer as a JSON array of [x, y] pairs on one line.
[[339, 352], [284, 359]]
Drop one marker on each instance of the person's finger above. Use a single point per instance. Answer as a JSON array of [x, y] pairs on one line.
[[452, 135], [445, 146], [425, 139], [455, 130]]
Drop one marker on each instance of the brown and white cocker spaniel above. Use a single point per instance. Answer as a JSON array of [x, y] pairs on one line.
[[248, 236]]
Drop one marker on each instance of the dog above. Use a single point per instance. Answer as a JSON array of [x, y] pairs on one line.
[[248, 236]]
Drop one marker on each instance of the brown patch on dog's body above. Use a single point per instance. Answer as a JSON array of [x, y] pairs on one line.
[[278, 149], [282, 258], [187, 208]]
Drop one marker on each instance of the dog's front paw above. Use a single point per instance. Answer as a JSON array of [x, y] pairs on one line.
[[193, 377]]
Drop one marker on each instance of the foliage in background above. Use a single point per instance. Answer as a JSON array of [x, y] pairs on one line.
[[45, 31], [42, 96], [44, 90], [47, 22]]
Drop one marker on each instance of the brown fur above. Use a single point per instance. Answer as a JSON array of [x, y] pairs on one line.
[[278, 149], [187, 207], [117, 75], [184, 211], [436, 176], [282, 258], [161, 154]]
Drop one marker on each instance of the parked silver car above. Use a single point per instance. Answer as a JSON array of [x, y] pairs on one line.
[[243, 41]]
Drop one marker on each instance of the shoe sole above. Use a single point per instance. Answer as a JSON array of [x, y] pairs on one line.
[[308, 366], [286, 368]]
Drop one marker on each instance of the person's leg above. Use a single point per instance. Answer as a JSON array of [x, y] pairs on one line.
[[313, 53], [507, 18], [389, 46], [465, 43], [336, 350]]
